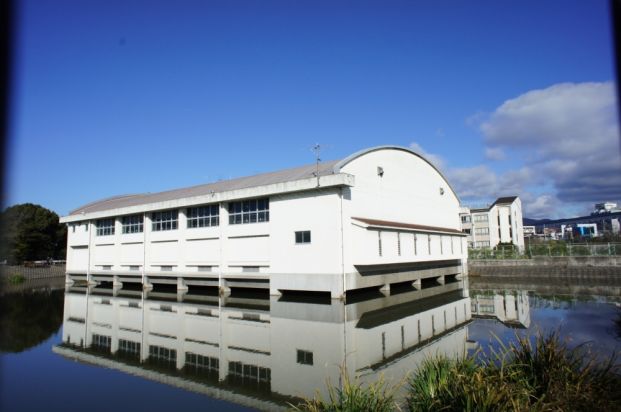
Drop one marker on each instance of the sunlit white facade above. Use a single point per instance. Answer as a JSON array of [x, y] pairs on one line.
[[381, 216]]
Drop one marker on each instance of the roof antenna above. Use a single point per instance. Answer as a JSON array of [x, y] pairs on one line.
[[317, 150]]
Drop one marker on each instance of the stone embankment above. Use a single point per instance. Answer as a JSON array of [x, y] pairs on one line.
[[607, 267]]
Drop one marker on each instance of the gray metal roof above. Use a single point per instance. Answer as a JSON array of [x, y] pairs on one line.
[[281, 176]]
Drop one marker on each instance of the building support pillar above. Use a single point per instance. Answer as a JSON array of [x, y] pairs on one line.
[[440, 280], [385, 290], [146, 285]]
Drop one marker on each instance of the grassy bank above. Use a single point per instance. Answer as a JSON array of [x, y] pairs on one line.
[[542, 374]]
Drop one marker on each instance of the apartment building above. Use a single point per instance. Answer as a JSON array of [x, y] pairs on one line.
[[499, 223]]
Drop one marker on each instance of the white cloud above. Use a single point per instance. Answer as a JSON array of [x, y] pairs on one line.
[[567, 136], [494, 153]]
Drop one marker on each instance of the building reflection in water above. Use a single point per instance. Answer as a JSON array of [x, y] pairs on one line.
[[261, 351], [512, 308]]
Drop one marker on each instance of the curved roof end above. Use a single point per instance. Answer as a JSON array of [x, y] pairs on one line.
[[338, 166]]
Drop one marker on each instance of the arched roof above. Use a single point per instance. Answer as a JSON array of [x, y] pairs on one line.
[[339, 165]]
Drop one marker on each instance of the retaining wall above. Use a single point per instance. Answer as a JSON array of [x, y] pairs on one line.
[[546, 266]]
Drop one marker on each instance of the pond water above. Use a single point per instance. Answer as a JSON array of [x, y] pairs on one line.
[[102, 349]]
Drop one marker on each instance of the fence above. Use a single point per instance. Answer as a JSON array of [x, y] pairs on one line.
[[548, 249], [52, 271]]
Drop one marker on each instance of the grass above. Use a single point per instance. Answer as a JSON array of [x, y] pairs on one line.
[[353, 396], [16, 279], [538, 374]]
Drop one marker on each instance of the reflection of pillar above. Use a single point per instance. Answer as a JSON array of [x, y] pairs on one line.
[[417, 284], [114, 332], [180, 341]]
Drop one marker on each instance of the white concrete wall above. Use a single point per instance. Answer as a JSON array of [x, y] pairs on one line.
[[408, 191]]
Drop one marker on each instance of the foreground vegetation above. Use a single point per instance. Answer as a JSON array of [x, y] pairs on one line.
[[539, 375]]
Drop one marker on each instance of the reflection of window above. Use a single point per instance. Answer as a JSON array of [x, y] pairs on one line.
[[206, 363], [127, 347], [105, 227], [164, 220], [162, 354], [244, 374], [303, 236], [305, 357], [203, 216], [249, 211], [132, 224], [102, 342]]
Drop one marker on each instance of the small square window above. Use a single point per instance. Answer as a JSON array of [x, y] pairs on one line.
[[305, 357], [303, 236]]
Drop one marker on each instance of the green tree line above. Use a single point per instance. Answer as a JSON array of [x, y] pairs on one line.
[[31, 232]]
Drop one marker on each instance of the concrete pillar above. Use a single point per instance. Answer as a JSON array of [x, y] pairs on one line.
[[385, 289], [116, 283], [182, 289], [275, 292], [225, 290], [440, 280], [68, 281]]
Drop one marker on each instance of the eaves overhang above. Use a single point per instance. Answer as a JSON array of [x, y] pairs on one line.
[[403, 226]]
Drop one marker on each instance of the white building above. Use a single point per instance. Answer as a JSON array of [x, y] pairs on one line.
[[380, 216], [499, 223]]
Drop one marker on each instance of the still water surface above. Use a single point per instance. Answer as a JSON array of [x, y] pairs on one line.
[[104, 350]]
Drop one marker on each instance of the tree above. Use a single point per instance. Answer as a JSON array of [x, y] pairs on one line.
[[31, 232]]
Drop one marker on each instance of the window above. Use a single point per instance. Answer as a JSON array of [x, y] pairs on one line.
[[481, 231], [415, 246], [252, 269], [480, 218], [303, 236], [203, 216], [465, 219], [379, 240], [166, 268], [466, 231], [164, 220], [132, 224], [305, 357], [398, 244], [429, 244], [86, 227], [483, 243], [73, 228], [249, 211], [105, 227]]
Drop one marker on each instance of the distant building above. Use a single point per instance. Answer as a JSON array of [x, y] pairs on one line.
[[605, 220], [381, 216], [606, 207], [499, 223]]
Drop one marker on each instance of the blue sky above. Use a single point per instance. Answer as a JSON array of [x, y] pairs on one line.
[[114, 97]]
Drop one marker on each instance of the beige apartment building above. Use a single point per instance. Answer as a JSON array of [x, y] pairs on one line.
[[499, 223]]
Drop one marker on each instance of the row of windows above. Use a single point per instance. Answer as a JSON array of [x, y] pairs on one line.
[[247, 211], [481, 218], [481, 231]]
